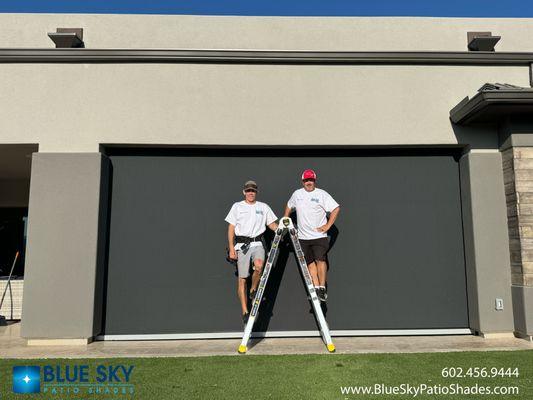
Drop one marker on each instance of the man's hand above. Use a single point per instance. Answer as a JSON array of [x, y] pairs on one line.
[[232, 254], [332, 217], [323, 228], [273, 226]]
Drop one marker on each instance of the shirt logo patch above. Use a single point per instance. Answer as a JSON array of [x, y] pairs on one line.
[[315, 200], [259, 212]]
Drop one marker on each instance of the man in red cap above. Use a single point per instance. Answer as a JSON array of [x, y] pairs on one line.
[[312, 205]]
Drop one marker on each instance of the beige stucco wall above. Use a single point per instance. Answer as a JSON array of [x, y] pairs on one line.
[[292, 33], [75, 107]]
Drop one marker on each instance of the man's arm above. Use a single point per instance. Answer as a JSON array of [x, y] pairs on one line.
[[273, 226], [290, 206], [332, 217], [231, 240], [270, 216]]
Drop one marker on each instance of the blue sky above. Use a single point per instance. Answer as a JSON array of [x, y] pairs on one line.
[[436, 8]]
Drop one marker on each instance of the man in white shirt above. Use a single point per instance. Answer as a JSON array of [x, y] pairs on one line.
[[312, 205], [247, 221]]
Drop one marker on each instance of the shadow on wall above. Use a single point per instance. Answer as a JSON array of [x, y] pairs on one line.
[[480, 136]]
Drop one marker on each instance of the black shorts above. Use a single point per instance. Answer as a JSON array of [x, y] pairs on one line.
[[315, 249]]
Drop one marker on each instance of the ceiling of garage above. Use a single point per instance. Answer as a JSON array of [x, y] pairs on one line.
[[15, 160]]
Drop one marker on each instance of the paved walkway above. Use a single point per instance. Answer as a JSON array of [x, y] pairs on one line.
[[13, 346]]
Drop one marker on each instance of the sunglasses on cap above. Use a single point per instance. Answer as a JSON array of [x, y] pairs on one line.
[[309, 180], [250, 190]]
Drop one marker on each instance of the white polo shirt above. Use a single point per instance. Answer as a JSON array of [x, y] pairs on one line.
[[311, 209], [250, 219]]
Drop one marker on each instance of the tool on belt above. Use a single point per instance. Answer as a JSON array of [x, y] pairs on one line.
[[245, 240]]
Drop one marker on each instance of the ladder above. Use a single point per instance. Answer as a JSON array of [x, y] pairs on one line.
[[285, 226]]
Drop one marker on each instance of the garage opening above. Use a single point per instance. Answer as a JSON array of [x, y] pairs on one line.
[[396, 262], [15, 170]]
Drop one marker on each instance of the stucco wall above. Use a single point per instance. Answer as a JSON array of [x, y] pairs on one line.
[[291, 33], [74, 107]]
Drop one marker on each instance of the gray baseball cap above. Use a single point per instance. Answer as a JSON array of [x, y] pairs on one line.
[[250, 185]]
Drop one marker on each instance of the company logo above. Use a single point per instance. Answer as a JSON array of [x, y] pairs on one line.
[[260, 212], [26, 379], [74, 379], [315, 199]]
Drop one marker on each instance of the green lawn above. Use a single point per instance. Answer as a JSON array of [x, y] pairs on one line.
[[293, 377]]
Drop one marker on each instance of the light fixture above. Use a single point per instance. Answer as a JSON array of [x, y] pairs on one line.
[[67, 37], [482, 41]]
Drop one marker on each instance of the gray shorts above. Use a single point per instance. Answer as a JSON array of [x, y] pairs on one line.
[[243, 260]]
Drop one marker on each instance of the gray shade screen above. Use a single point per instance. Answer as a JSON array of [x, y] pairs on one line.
[[396, 260]]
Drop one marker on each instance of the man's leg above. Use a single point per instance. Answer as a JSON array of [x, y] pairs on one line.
[[243, 266], [322, 268], [321, 279], [314, 273], [320, 251], [241, 292], [258, 270], [258, 255], [307, 248]]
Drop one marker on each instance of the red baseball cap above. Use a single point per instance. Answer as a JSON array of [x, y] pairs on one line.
[[308, 174]]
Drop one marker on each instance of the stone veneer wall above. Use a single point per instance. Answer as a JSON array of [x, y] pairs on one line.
[[518, 179]]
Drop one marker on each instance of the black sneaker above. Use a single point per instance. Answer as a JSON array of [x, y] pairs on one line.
[[322, 294], [252, 294], [245, 318]]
